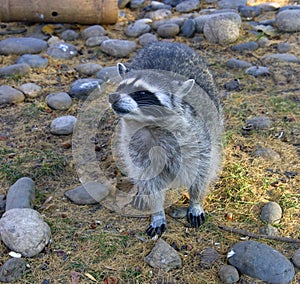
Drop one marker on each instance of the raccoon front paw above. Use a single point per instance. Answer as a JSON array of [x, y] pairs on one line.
[[195, 216], [157, 226]]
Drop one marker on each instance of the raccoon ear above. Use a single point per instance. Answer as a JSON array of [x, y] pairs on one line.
[[185, 88], [122, 70]]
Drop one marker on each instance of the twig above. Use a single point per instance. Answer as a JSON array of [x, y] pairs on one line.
[[256, 236]]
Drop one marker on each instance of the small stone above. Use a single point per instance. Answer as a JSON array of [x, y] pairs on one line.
[[178, 212], [118, 47], [12, 270], [249, 12], [266, 153], [15, 70], [59, 101], [200, 22], [63, 125], [246, 46], [88, 69], [231, 4], [2, 203], [188, 6], [284, 57], [296, 258], [284, 47], [62, 50], [288, 21], [147, 38], [259, 122], [136, 29], [177, 21], [208, 257], [92, 31], [30, 90], [228, 274], [168, 30], [269, 7], [258, 71], [232, 85], [10, 95], [95, 40], [222, 28], [69, 35], [21, 45], [238, 64], [82, 88], [271, 213], [159, 14], [163, 256], [269, 230], [188, 28], [135, 4], [23, 230], [109, 74], [33, 60], [263, 42], [89, 193], [261, 261], [21, 194]]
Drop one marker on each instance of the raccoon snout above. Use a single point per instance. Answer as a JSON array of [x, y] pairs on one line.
[[114, 97]]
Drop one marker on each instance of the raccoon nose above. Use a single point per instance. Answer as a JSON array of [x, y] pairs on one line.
[[114, 97]]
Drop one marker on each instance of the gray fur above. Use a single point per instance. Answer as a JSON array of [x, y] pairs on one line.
[[171, 126]]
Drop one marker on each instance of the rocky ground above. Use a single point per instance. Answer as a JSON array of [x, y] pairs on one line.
[[47, 74]]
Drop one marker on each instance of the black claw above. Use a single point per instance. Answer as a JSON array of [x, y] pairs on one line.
[[153, 231], [195, 220]]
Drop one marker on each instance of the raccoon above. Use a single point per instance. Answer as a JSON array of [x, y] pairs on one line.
[[171, 126]]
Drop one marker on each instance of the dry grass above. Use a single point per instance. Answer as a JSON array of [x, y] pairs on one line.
[[96, 242]]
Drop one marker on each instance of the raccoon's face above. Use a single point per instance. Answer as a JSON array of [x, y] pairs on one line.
[[146, 93]]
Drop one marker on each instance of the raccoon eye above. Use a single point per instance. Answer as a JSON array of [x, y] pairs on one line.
[[145, 98]]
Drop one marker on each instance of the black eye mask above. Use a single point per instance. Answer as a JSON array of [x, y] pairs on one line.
[[145, 98]]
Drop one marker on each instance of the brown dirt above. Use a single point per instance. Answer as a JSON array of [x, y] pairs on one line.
[[97, 243]]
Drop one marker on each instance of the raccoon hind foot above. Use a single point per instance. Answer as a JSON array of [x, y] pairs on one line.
[[158, 225], [195, 216]]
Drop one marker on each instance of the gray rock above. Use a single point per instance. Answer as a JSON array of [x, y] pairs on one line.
[[172, 2], [69, 35], [288, 21], [21, 45], [21, 194], [232, 85], [178, 212], [59, 101], [237, 64], [15, 70], [200, 22], [168, 30], [249, 12], [222, 28], [155, 5], [268, 7], [118, 47], [228, 274], [135, 4], [258, 71], [296, 258], [163, 256], [136, 29], [285, 57], [63, 125], [88, 69], [109, 74], [81, 88], [261, 261], [95, 40], [259, 122], [33, 60], [62, 50], [263, 42], [147, 38], [188, 6], [231, 4], [2, 203], [10, 95], [284, 47], [89, 193], [12, 270], [289, 7], [95, 30], [246, 46], [266, 153], [269, 230], [208, 257], [188, 28], [177, 21], [271, 213], [158, 14], [23, 230], [30, 90]]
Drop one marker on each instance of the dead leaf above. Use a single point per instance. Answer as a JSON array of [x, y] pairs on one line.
[[48, 29], [90, 276]]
